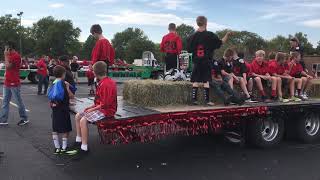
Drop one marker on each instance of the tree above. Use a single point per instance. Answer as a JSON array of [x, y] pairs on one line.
[[121, 40], [136, 47], [245, 41], [9, 31], [87, 47], [184, 32], [56, 37], [279, 43], [318, 48]]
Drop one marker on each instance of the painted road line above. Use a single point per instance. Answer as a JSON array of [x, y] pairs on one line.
[[15, 105]]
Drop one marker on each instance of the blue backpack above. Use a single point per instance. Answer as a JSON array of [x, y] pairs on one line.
[[56, 91]]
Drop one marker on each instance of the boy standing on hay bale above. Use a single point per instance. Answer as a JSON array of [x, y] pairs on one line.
[[171, 44], [202, 45], [104, 108]]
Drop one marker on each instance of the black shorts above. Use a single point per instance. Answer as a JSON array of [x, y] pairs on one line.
[[171, 61], [90, 82], [201, 72]]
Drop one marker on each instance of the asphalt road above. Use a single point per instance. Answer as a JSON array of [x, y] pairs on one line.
[[28, 155]]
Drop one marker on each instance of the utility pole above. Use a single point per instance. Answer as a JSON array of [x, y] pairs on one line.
[[20, 33]]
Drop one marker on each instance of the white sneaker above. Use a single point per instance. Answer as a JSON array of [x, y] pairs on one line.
[[305, 95]]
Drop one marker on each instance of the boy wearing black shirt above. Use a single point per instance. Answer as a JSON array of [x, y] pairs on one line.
[[234, 71], [202, 45], [220, 87]]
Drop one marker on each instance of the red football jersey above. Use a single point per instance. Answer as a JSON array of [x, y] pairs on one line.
[[171, 43], [106, 96], [260, 69]]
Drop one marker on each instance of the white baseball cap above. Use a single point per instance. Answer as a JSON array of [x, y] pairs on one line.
[[75, 57]]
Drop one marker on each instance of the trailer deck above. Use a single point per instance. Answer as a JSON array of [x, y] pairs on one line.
[[262, 124]]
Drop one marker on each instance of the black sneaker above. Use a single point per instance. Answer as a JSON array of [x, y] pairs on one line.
[[56, 151], [23, 122], [76, 145]]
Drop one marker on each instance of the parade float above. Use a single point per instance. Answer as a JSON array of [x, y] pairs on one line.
[[150, 110]]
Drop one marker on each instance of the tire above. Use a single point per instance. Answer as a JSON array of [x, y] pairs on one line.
[[33, 78], [265, 132], [308, 128]]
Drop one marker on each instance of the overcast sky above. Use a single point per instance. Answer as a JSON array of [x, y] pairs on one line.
[[265, 17]]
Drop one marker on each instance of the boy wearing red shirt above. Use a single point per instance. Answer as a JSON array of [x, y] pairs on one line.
[[12, 86], [280, 69], [103, 50], [105, 107], [260, 72], [171, 44], [302, 79], [42, 73]]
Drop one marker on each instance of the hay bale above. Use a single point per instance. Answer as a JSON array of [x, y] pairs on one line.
[[155, 93]]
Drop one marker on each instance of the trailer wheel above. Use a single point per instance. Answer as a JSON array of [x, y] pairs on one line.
[[33, 77], [266, 132], [308, 128]]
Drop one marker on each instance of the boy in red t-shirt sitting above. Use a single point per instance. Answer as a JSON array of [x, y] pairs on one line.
[[260, 72], [303, 80], [278, 68], [105, 107]]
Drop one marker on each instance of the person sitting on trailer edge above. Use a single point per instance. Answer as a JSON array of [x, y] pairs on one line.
[[260, 72], [171, 44], [220, 87], [278, 68], [104, 108], [297, 71], [202, 45], [234, 70]]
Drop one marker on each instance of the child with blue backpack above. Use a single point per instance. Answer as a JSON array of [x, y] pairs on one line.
[[59, 95]]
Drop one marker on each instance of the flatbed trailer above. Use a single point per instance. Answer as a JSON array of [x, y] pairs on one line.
[[260, 124]]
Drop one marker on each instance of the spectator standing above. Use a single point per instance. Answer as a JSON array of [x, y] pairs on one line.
[[74, 66], [42, 73], [12, 86]]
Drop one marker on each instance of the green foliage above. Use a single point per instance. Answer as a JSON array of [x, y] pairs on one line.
[[184, 32], [244, 41], [87, 48], [136, 47], [279, 43], [56, 37], [122, 39], [318, 49]]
